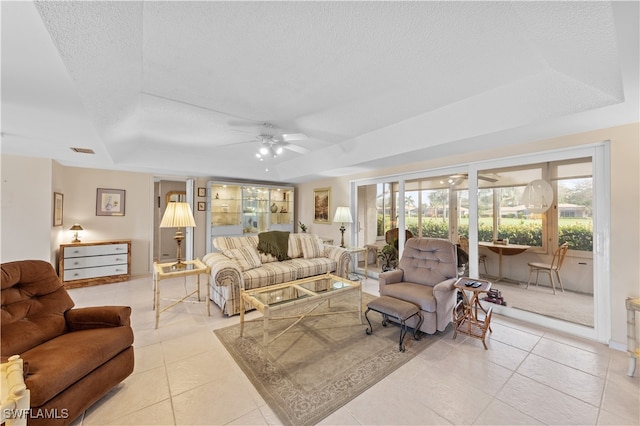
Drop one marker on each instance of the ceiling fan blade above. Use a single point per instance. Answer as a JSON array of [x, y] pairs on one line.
[[236, 143], [294, 137], [488, 178], [296, 148], [242, 131]]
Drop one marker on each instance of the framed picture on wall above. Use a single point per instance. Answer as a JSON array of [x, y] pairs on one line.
[[321, 205], [202, 206], [110, 202], [58, 204], [202, 192]]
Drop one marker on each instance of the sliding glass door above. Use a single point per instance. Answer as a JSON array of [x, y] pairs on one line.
[[485, 203]]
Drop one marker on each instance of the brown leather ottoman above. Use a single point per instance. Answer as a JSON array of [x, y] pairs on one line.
[[398, 309]]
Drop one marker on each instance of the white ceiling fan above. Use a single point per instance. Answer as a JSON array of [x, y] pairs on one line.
[[271, 144], [458, 178]]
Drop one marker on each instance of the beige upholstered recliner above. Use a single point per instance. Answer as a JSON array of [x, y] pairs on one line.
[[425, 277]]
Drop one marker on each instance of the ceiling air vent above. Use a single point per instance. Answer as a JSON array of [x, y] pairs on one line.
[[83, 150]]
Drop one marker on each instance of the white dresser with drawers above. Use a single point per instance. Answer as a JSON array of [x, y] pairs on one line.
[[86, 264]]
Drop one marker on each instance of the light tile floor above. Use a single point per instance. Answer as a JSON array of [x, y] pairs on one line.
[[529, 375]]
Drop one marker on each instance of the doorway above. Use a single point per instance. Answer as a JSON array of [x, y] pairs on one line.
[[165, 248]]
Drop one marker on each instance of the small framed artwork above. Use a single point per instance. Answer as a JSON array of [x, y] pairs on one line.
[[202, 206], [58, 204], [321, 205], [202, 192], [110, 202]]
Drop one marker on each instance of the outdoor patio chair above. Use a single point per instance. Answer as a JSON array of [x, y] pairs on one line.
[[553, 267], [482, 258]]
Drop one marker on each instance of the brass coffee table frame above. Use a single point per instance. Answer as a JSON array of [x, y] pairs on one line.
[[308, 298]]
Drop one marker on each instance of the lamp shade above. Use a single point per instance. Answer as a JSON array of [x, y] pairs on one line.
[[343, 215], [75, 228], [177, 215]]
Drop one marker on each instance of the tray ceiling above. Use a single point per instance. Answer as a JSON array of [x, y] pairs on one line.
[[184, 87]]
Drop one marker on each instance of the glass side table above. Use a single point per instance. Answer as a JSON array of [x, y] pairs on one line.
[[355, 251], [163, 271]]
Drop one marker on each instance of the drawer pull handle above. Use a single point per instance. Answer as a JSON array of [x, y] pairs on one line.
[[76, 263]]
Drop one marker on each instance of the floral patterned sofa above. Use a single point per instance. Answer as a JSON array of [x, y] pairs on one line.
[[238, 264]]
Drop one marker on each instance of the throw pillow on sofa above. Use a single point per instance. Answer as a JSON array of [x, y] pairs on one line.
[[246, 257], [312, 247]]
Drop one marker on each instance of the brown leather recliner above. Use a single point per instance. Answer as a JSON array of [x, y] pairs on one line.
[[425, 277], [72, 357]]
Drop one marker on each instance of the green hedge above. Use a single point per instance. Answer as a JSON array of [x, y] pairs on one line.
[[579, 237]]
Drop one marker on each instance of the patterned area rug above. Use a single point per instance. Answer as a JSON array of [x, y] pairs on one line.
[[320, 364]]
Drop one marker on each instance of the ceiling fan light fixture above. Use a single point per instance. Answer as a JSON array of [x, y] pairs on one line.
[[264, 150], [279, 150]]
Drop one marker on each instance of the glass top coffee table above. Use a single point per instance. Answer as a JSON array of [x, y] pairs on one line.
[[308, 293]]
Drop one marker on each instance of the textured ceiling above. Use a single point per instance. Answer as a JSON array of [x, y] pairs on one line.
[[183, 87]]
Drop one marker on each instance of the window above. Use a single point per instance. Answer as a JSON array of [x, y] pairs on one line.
[[574, 185], [427, 207], [501, 214], [386, 205]]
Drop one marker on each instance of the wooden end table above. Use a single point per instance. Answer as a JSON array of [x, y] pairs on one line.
[[465, 315]]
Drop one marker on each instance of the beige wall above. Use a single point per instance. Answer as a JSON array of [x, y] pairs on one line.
[[27, 213], [625, 202], [26, 198], [80, 186]]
